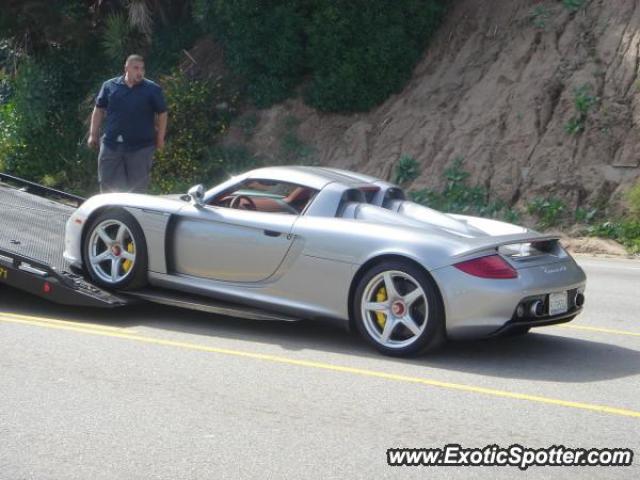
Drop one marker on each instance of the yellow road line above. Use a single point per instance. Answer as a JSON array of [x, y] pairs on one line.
[[65, 322], [337, 368], [602, 330]]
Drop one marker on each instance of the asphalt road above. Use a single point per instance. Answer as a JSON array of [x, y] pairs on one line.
[[153, 392]]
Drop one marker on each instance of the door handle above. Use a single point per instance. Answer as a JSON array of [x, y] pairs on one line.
[[271, 233]]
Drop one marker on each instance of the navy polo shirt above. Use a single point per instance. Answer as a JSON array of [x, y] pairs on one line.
[[130, 112]]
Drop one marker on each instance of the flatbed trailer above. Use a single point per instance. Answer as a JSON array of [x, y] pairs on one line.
[[32, 227], [32, 241]]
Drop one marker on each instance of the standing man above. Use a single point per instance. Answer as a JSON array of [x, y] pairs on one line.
[[136, 123]]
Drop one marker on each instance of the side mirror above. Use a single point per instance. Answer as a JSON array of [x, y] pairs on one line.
[[196, 194]]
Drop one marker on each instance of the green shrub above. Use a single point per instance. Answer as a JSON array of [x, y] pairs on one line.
[[624, 231], [264, 42], [583, 101], [192, 153], [39, 24], [360, 51], [574, 126], [356, 52], [458, 196], [40, 129], [8, 57], [168, 46], [11, 141], [549, 211], [511, 216], [633, 197], [195, 125], [585, 214], [407, 170]]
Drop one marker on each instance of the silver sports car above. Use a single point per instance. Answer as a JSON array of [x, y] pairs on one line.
[[312, 242]]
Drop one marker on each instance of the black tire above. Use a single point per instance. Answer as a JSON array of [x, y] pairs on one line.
[[432, 333], [133, 277]]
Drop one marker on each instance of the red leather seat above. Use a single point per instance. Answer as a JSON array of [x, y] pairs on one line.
[[298, 198]]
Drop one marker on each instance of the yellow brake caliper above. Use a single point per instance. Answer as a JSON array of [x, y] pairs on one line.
[[381, 296], [126, 265]]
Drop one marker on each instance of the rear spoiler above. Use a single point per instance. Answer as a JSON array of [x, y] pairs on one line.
[[483, 244]]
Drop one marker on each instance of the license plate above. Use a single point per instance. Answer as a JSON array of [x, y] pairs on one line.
[[558, 303]]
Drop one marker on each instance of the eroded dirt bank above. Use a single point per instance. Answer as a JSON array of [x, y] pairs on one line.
[[498, 87]]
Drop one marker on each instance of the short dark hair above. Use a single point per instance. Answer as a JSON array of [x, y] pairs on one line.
[[134, 58]]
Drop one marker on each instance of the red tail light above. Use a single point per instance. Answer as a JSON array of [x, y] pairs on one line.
[[492, 266]]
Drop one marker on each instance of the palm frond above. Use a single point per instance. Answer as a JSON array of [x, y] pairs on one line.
[[115, 38], [140, 16]]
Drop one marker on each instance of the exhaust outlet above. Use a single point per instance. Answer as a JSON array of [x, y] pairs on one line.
[[537, 308], [578, 300]]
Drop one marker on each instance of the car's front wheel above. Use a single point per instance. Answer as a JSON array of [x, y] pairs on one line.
[[397, 309], [114, 251]]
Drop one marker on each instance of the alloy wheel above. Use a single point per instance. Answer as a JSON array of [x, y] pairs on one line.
[[395, 309], [112, 251]]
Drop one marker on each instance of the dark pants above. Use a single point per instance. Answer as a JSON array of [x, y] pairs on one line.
[[121, 170]]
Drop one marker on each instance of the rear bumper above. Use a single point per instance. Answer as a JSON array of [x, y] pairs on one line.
[[477, 307], [543, 322]]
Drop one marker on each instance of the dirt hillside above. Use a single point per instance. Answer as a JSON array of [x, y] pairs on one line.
[[499, 87]]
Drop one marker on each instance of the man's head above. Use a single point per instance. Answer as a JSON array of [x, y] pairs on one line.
[[134, 68]]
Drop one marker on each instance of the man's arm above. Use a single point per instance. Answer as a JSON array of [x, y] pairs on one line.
[[94, 130], [161, 129]]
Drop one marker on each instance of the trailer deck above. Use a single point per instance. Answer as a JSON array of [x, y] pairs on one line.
[[32, 226], [31, 246]]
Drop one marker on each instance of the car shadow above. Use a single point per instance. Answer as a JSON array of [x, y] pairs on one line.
[[544, 354]]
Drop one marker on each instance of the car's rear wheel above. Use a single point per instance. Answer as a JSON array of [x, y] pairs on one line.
[[114, 251], [398, 310]]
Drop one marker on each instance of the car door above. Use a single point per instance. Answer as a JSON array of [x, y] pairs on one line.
[[231, 245]]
